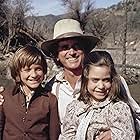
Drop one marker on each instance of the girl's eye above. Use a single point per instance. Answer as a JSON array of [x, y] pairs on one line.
[[107, 80]]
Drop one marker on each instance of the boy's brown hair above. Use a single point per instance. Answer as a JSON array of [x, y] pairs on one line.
[[26, 56]]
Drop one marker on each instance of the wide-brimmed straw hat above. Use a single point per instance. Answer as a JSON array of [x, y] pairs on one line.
[[68, 29]]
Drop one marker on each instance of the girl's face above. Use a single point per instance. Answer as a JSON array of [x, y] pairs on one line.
[[99, 82], [31, 77]]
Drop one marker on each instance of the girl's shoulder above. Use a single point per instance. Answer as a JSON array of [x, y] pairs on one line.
[[119, 106], [77, 107], [76, 104]]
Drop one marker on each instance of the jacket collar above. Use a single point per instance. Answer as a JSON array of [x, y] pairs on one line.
[[39, 91]]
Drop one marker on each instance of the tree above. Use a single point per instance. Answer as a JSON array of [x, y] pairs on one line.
[[85, 12], [79, 10], [15, 12], [4, 32], [21, 9], [99, 25], [124, 39]]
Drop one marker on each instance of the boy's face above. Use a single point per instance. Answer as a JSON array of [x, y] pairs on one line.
[[31, 77]]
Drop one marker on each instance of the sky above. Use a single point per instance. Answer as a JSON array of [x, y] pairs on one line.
[[46, 7]]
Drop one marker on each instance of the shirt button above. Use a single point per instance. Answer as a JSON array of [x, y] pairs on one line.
[[25, 134], [67, 83], [23, 104], [23, 119]]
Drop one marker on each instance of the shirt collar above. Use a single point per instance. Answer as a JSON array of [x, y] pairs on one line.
[[83, 108], [60, 77], [39, 90]]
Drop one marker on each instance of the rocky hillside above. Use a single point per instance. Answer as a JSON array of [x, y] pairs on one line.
[[114, 17]]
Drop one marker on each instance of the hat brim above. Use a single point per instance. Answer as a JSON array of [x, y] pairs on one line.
[[88, 43]]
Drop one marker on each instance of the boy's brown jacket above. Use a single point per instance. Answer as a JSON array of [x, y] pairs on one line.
[[39, 122]]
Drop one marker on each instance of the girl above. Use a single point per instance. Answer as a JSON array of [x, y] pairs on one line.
[[100, 106], [29, 112]]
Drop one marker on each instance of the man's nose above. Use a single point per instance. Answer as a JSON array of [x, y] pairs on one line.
[[71, 50]]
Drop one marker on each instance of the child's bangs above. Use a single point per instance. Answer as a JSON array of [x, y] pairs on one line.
[[28, 61]]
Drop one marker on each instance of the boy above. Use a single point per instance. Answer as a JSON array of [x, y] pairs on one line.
[[28, 111]]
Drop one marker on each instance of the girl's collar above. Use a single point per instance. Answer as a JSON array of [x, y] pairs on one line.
[[84, 108]]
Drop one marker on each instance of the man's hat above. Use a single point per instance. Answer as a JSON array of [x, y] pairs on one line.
[[68, 29]]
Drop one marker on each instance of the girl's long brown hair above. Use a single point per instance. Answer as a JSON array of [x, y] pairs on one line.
[[99, 58]]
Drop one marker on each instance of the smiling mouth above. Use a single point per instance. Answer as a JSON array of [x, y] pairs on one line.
[[101, 93], [72, 58], [35, 81]]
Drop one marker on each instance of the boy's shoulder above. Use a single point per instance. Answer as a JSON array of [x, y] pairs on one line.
[[8, 91], [52, 97], [49, 84]]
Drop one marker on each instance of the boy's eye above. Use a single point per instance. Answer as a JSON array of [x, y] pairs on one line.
[[94, 80], [27, 69], [39, 69]]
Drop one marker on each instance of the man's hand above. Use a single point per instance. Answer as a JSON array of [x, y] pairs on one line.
[[105, 135], [1, 97]]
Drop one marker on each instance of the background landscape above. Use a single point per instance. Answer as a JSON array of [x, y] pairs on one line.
[[118, 27]]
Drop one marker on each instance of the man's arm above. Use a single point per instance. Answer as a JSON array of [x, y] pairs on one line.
[[2, 120], [1, 97], [132, 102]]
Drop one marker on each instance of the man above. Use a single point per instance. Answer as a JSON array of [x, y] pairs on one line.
[[68, 48]]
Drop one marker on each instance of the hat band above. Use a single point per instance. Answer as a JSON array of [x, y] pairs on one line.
[[70, 34]]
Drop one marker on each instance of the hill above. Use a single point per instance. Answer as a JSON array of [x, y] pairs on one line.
[[111, 23]]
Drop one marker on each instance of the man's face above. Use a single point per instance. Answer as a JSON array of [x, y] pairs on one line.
[[70, 54]]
